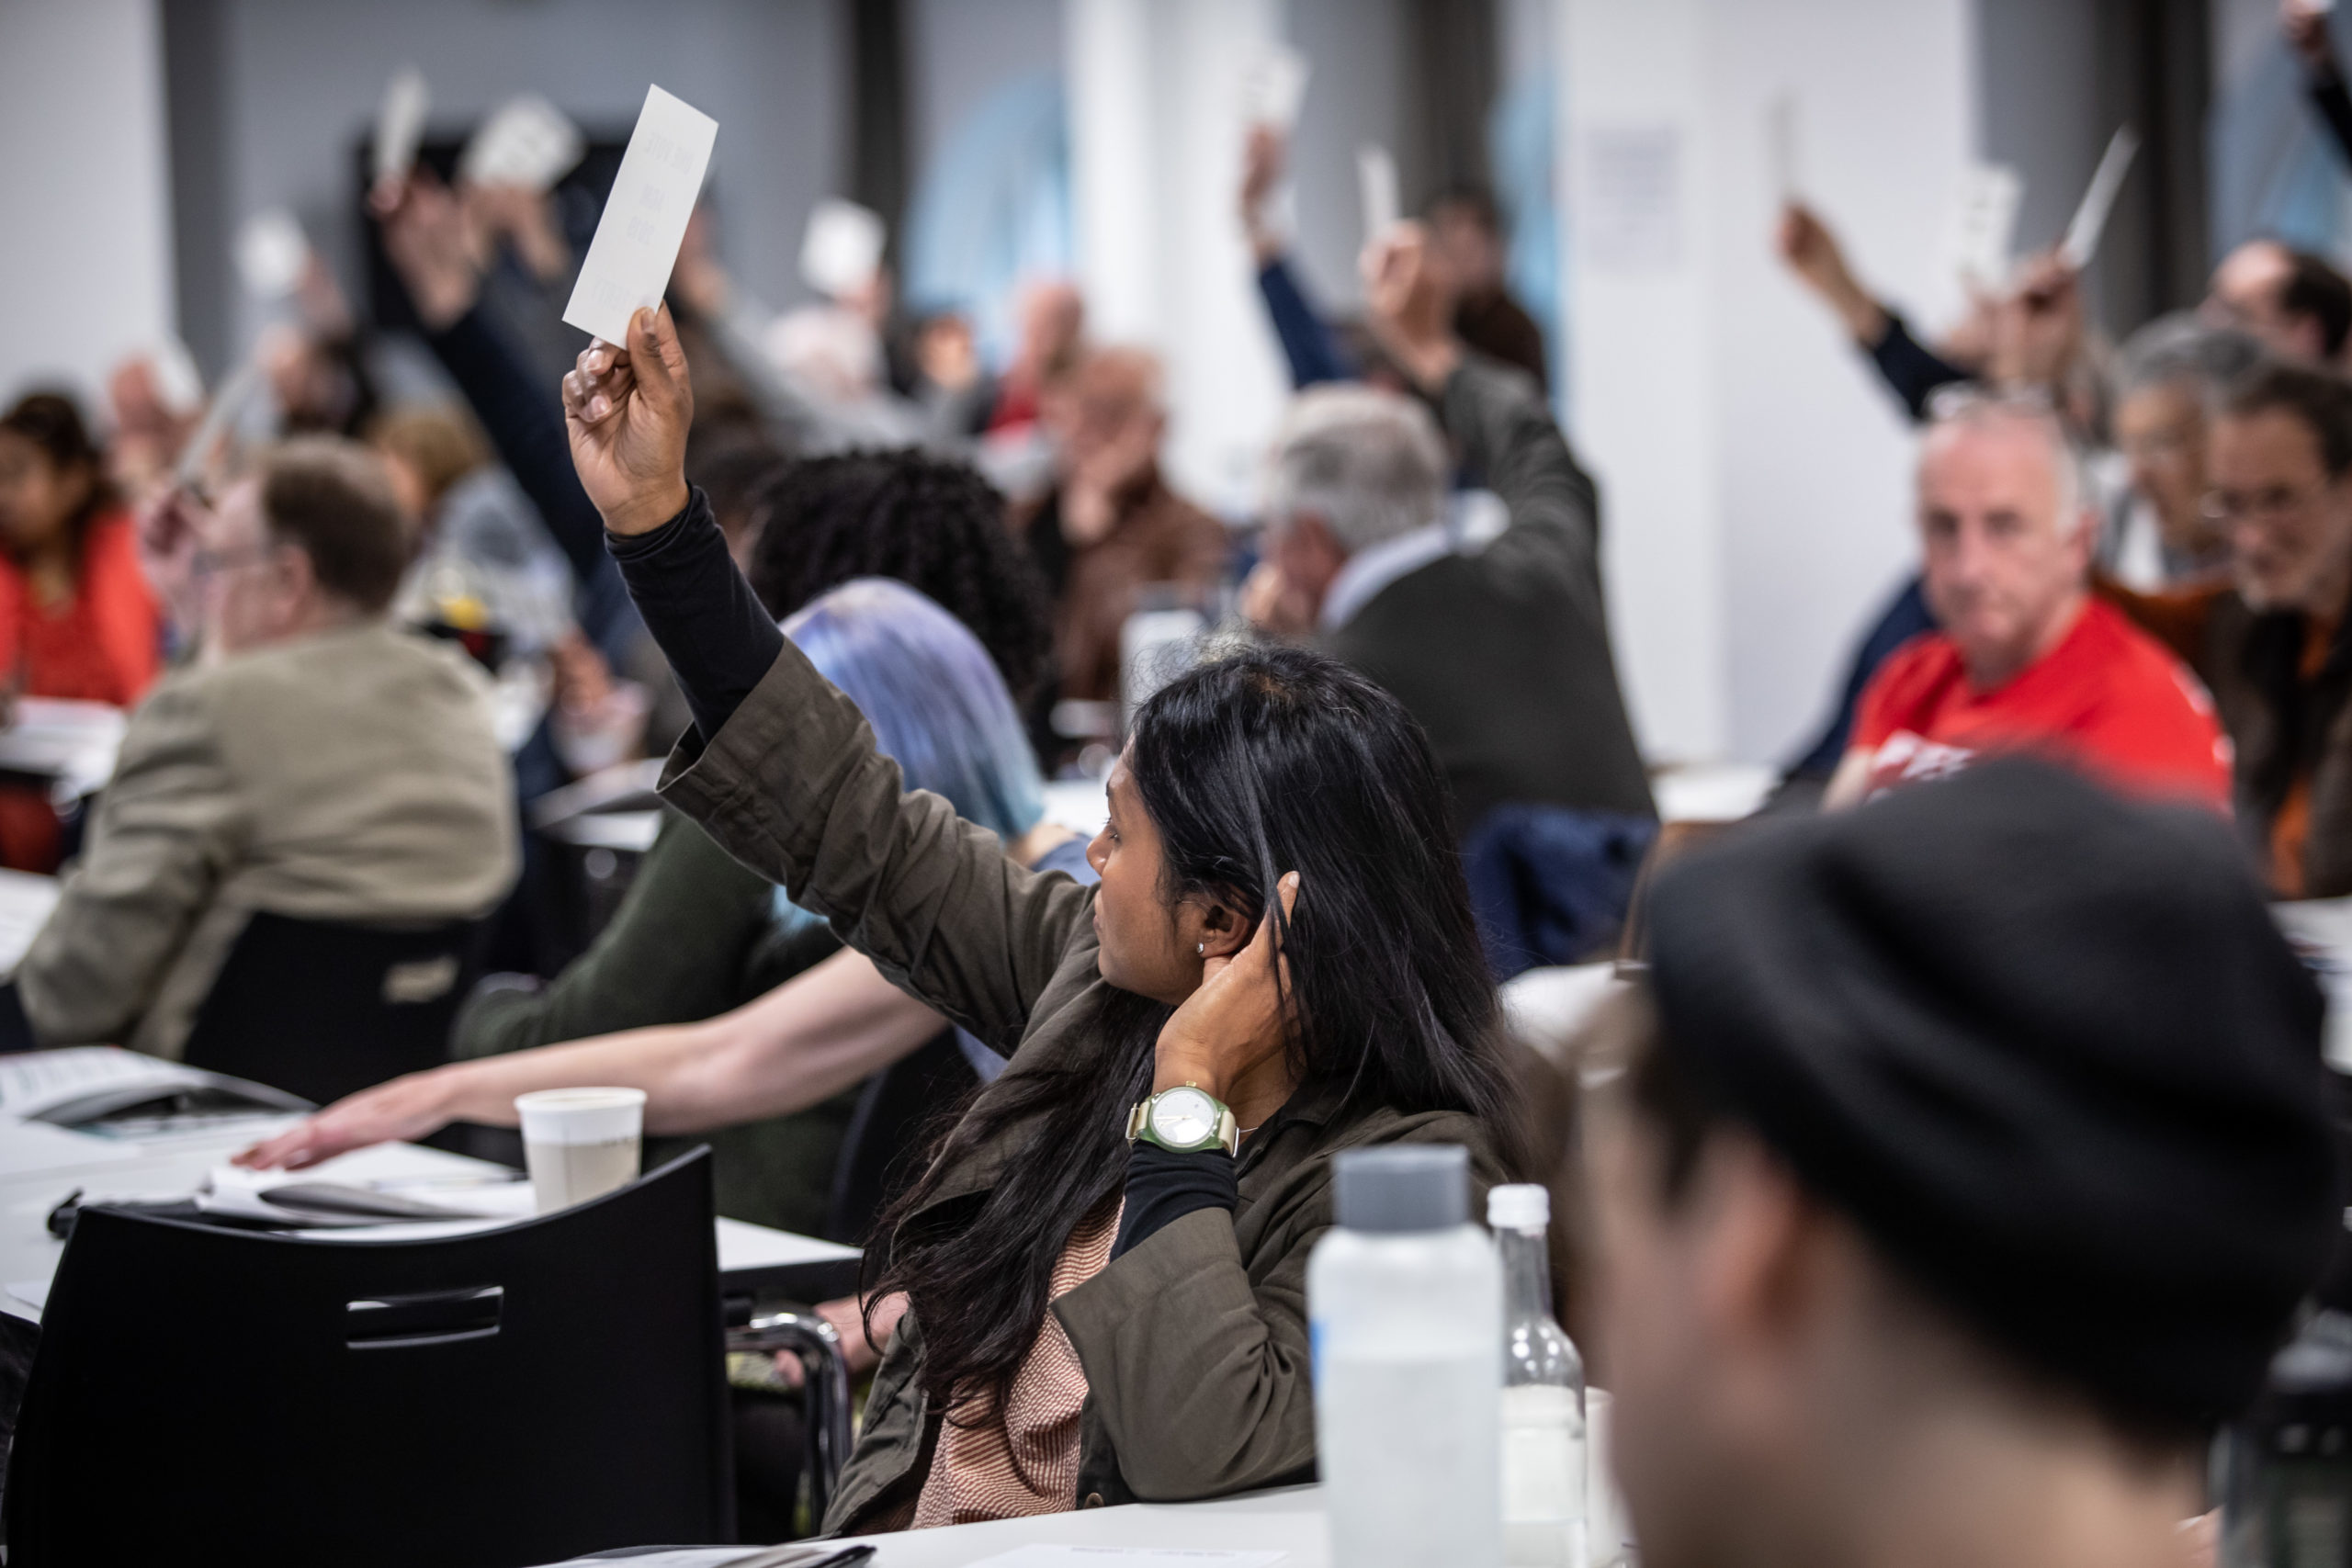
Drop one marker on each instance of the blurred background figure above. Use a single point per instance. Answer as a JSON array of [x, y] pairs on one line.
[[77, 617]]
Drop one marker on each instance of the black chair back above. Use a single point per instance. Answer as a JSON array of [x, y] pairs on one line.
[[325, 1009], [512, 1397], [883, 1147]]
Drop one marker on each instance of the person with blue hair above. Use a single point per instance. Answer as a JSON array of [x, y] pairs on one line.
[[937, 706]]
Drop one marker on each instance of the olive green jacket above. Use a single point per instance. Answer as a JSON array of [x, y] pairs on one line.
[[1194, 1342]]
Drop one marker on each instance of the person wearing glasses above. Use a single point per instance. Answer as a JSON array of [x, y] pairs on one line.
[[2270, 638], [2023, 657], [313, 762]]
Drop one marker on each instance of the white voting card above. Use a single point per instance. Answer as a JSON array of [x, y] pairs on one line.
[[1273, 86], [271, 253], [2081, 242], [400, 121], [1376, 182], [645, 217], [1780, 143], [841, 248], [527, 141], [1984, 219]]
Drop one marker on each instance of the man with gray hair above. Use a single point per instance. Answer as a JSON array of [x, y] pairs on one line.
[[2023, 658], [1496, 639], [2168, 373]]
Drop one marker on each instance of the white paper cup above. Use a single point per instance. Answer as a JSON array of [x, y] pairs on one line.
[[579, 1142]]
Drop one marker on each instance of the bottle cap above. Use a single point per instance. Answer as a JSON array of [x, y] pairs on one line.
[[1423, 1188], [1519, 1207]]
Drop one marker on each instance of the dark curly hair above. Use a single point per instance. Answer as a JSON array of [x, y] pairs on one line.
[[932, 523]]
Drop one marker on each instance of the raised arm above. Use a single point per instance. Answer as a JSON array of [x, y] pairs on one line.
[[783, 770], [804, 1041]]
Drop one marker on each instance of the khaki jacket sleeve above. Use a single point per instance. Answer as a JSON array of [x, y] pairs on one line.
[[165, 833], [793, 787], [1199, 1377]]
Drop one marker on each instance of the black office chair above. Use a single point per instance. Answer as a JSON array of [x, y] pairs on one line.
[[513, 1396], [884, 1145], [325, 1009]]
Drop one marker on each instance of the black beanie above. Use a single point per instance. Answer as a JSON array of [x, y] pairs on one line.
[[2045, 1048]]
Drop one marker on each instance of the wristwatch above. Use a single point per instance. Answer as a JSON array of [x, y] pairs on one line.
[[1184, 1118]]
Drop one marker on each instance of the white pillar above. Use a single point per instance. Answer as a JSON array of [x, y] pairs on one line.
[[87, 271], [1156, 135]]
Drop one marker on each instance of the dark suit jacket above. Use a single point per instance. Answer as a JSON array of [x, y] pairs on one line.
[[1503, 655]]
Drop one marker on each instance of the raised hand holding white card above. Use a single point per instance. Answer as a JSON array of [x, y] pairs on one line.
[[1376, 181], [272, 251], [400, 122], [1275, 86], [842, 248], [528, 143], [1984, 220], [2081, 242], [628, 262], [626, 410]]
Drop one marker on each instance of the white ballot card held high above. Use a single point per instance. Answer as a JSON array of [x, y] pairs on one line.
[[1377, 184], [400, 122], [2081, 242], [637, 240]]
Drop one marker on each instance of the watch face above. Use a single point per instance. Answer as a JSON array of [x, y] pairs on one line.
[[1183, 1117]]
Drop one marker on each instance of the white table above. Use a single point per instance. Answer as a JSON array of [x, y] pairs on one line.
[[750, 1257], [1289, 1520]]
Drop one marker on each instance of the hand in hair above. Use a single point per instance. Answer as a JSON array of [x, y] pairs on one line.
[[628, 409], [1409, 307], [1238, 1024], [434, 244]]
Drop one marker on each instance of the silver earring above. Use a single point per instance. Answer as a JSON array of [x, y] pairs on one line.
[[1202, 950]]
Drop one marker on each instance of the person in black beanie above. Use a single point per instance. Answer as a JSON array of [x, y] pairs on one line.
[[1970, 1164]]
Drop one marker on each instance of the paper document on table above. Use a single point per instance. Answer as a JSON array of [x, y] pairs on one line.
[[1781, 139], [645, 217], [2081, 242], [88, 1082], [1130, 1556], [1273, 86], [1376, 182], [528, 143], [400, 121], [1985, 219]]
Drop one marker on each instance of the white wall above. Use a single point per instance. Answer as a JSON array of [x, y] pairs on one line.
[[1155, 134], [86, 269], [1754, 475]]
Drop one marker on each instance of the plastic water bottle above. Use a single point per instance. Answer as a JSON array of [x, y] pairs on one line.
[[1543, 1416], [1402, 1301]]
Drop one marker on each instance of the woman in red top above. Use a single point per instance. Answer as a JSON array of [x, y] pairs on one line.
[[77, 618]]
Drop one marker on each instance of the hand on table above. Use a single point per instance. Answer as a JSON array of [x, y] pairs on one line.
[[626, 411], [1408, 306], [402, 1110], [1239, 1019]]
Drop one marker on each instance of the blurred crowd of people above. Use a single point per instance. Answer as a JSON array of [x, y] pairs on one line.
[[361, 635]]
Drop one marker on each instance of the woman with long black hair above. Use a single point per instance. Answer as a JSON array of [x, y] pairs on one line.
[[1106, 1259]]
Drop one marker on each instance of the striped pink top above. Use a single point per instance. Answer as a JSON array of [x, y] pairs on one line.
[[1026, 1462]]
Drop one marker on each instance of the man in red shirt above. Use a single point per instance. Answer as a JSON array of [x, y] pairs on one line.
[[2025, 658]]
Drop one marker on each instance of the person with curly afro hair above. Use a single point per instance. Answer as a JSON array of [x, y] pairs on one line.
[[932, 523]]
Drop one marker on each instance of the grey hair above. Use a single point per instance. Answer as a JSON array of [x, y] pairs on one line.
[[2180, 348], [1371, 464], [1970, 406]]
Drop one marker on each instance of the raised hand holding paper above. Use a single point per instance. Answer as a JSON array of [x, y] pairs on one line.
[[271, 253], [1275, 86], [1781, 139], [528, 142], [842, 248], [2081, 242], [645, 217], [1376, 180], [1985, 219], [400, 122]]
